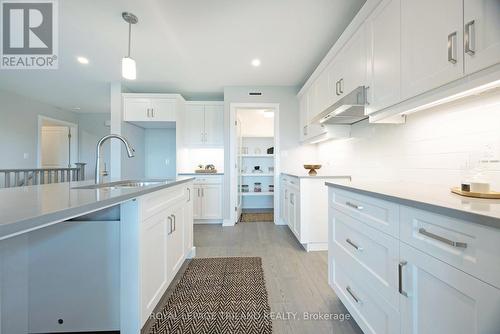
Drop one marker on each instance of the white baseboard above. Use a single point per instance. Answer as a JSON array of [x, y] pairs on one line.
[[207, 221], [279, 222], [227, 223], [192, 253], [316, 246]]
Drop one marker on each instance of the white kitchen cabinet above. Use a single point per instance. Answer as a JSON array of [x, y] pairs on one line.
[[144, 109], [481, 34], [188, 219], [175, 238], [309, 131], [431, 44], [214, 125], [352, 63], [438, 298], [207, 198], [433, 275], [384, 56], [204, 124], [155, 269]]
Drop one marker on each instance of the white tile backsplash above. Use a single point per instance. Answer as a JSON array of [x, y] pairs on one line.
[[431, 147]]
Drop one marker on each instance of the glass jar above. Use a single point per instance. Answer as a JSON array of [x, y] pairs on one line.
[[257, 187], [245, 188]]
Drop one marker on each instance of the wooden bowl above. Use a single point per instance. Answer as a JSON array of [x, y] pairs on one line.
[[312, 169]]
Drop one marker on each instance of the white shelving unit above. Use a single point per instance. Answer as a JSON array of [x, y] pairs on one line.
[[255, 146]]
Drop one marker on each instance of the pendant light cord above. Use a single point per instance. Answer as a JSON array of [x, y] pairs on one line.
[[129, 38]]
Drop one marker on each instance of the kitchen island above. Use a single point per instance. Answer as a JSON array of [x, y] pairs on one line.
[[78, 259]]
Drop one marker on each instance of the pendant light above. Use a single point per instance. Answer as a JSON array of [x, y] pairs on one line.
[[129, 70]]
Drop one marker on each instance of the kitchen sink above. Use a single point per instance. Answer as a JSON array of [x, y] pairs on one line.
[[125, 184]]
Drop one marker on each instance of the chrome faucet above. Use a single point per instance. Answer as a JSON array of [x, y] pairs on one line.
[[130, 153]]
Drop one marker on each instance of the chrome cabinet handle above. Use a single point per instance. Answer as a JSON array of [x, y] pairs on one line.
[[305, 130], [452, 48], [337, 88], [452, 243], [189, 194], [175, 227], [352, 205], [353, 295], [170, 225], [152, 112], [292, 198], [202, 137], [400, 272], [354, 245], [470, 35], [341, 82], [147, 113]]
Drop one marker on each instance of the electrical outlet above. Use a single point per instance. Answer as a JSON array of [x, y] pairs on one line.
[[26, 156]]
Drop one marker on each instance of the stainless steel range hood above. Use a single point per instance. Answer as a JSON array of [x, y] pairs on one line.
[[348, 110]]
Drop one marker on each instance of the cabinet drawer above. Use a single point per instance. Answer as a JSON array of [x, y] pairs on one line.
[[379, 214], [367, 253], [467, 246], [161, 200], [208, 180], [372, 314]]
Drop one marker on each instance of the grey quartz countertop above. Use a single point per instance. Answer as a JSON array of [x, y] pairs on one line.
[[27, 208], [201, 174], [306, 176], [435, 198]]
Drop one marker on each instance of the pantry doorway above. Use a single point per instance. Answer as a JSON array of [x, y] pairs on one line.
[[254, 155]]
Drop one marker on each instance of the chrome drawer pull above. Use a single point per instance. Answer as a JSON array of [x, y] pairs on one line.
[[352, 205], [452, 48], [170, 230], [356, 299], [353, 245], [470, 44], [400, 272], [452, 243]]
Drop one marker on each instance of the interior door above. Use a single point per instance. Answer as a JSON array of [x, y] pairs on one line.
[[211, 201], [175, 242], [214, 125], [238, 143], [195, 124], [55, 147], [163, 110], [136, 109], [482, 34], [431, 44], [442, 299]]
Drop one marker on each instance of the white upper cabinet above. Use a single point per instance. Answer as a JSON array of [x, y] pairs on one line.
[[431, 44], [214, 125], [204, 124], [352, 63], [384, 56], [142, 108], [481, 34]]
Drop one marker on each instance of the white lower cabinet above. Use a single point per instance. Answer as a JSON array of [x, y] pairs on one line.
[[437, 298], [436, 275], [207, 197]]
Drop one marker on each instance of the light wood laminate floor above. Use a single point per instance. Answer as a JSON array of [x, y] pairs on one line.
[[296, 281]]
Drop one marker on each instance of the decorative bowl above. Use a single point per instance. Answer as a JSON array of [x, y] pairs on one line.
[[312, 169]]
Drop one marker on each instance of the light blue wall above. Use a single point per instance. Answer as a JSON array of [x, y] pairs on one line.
[[160, 153]]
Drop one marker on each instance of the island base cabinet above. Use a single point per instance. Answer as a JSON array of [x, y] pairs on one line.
[[437, 298]]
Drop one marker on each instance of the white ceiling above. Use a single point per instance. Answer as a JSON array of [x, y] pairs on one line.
[[192, 47]]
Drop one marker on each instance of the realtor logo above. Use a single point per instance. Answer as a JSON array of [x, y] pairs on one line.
[[29, 36]]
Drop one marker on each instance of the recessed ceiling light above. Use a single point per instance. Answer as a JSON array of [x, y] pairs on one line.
[[256, 62], [76, 108], [82, 60]]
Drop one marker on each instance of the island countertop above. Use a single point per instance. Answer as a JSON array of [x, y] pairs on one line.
[[23, 209], [435, 198]]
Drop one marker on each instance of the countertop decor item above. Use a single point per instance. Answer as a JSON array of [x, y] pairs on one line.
[[256, 169], [257, 187], [208, 169], [489, 194], [312, 169]]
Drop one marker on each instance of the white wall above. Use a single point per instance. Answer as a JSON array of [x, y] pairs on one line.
[[430, 148], [19, 128], [92, 127], [190, 158], [160, 154]]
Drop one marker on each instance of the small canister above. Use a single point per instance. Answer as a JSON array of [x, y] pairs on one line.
[[257, 187], [244, 188]]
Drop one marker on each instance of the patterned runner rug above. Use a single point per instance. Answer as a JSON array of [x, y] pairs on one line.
[[252, 217], [218, 295]]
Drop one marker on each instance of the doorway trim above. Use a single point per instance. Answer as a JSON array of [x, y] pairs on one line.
[[74, 137], [233, 174]]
